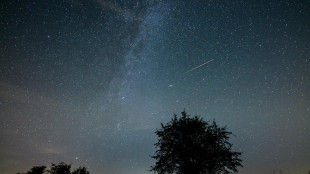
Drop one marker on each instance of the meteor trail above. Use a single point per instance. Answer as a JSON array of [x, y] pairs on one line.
[[199, 66]]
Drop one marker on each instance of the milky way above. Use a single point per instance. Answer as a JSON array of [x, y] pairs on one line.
[[88, 82]]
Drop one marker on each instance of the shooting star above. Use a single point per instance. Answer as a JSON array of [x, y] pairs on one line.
[[199, 66]]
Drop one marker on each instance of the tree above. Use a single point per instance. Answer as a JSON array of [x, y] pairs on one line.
[[191, 145], [61, 168], [37, 170], [80, 170]]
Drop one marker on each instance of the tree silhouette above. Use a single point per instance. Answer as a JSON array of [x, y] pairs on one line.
[[61, 168], [37, 170], [191, 145], [80, 170]]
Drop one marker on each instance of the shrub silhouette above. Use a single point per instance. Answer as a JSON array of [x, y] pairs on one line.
[[191, 145], [80, 170], [37, 170], [60, 168]]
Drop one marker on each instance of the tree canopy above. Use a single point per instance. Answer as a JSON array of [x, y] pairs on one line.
[[37, 170], [60, 168], [80, 170], [192, 145]]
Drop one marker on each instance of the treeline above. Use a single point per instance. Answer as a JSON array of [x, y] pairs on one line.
[[61, 168]]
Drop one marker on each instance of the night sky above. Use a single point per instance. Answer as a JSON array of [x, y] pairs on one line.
[[88, 82]]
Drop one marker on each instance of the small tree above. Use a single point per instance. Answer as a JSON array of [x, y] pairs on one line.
[[61, 168], [191, 145], [80, 170], [37, 170]]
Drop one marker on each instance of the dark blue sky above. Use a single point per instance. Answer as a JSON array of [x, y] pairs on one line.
[[88, 82]]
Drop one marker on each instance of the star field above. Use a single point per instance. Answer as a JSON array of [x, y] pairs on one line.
[[88, 82]]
